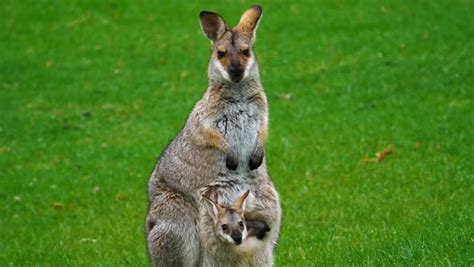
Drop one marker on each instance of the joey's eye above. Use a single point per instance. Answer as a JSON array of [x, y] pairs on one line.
[[225, 227], [246, 52], [241, 224], [220, 54]]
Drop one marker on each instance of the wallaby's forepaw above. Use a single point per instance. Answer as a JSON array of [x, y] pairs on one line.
[[256, 158], [232, 162]]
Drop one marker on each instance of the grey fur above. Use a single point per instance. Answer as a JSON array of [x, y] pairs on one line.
[[224, 126]]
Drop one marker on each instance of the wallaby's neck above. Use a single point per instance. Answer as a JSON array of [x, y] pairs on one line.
[[242, 89]]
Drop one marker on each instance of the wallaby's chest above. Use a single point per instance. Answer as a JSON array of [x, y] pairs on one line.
[[239, 123]]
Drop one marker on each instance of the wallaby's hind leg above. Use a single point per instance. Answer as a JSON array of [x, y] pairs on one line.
[[171, 228]]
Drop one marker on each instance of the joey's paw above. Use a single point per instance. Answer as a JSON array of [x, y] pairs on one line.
[[256, 158], [263, 231], [232, 162], [261, 235], [257, 228]]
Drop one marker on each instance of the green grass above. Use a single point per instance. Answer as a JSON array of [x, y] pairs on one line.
[[92, 91]]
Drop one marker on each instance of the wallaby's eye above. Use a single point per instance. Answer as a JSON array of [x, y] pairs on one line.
[[246, 52], [241, 224], [220, 54], [225, 227]]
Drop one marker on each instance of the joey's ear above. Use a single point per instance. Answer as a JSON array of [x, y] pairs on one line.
[[239, 204], [212, 25], [249, 22], [212, 207]]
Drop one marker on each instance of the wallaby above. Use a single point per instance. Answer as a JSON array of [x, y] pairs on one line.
[[221, 144], [227, 238]]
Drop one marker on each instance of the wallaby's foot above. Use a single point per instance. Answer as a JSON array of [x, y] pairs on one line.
[[256, 158], [171, 230], [232, 162], [257, 228]]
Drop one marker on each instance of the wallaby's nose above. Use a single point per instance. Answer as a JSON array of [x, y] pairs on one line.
[[237, 237], [236, 71]]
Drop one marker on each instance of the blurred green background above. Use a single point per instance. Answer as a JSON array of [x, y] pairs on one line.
[[92, 91]]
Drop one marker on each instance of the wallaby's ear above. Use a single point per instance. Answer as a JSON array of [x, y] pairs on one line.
[[249, 22], [212, 25], [239, 204], [212, 207]]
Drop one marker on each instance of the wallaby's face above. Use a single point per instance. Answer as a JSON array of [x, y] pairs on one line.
[[229, 222], [230, 226], [232, 57]]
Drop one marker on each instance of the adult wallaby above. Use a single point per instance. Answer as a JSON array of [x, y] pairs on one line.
[[221, 144], [228, 239]]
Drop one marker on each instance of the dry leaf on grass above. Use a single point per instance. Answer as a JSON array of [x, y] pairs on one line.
[[381, 155], [384, 153]]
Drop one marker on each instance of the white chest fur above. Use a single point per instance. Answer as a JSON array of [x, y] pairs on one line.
[[239, 123]]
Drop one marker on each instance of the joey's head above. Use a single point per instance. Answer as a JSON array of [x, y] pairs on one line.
[[229, 221], [232, 57]]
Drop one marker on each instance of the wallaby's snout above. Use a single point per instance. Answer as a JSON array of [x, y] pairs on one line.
[[236, 235], [236, 71]]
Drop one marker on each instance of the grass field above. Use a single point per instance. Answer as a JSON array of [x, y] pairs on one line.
[[92, 91]]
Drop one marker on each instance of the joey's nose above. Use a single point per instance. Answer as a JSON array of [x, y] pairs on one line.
[[237, 237]]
